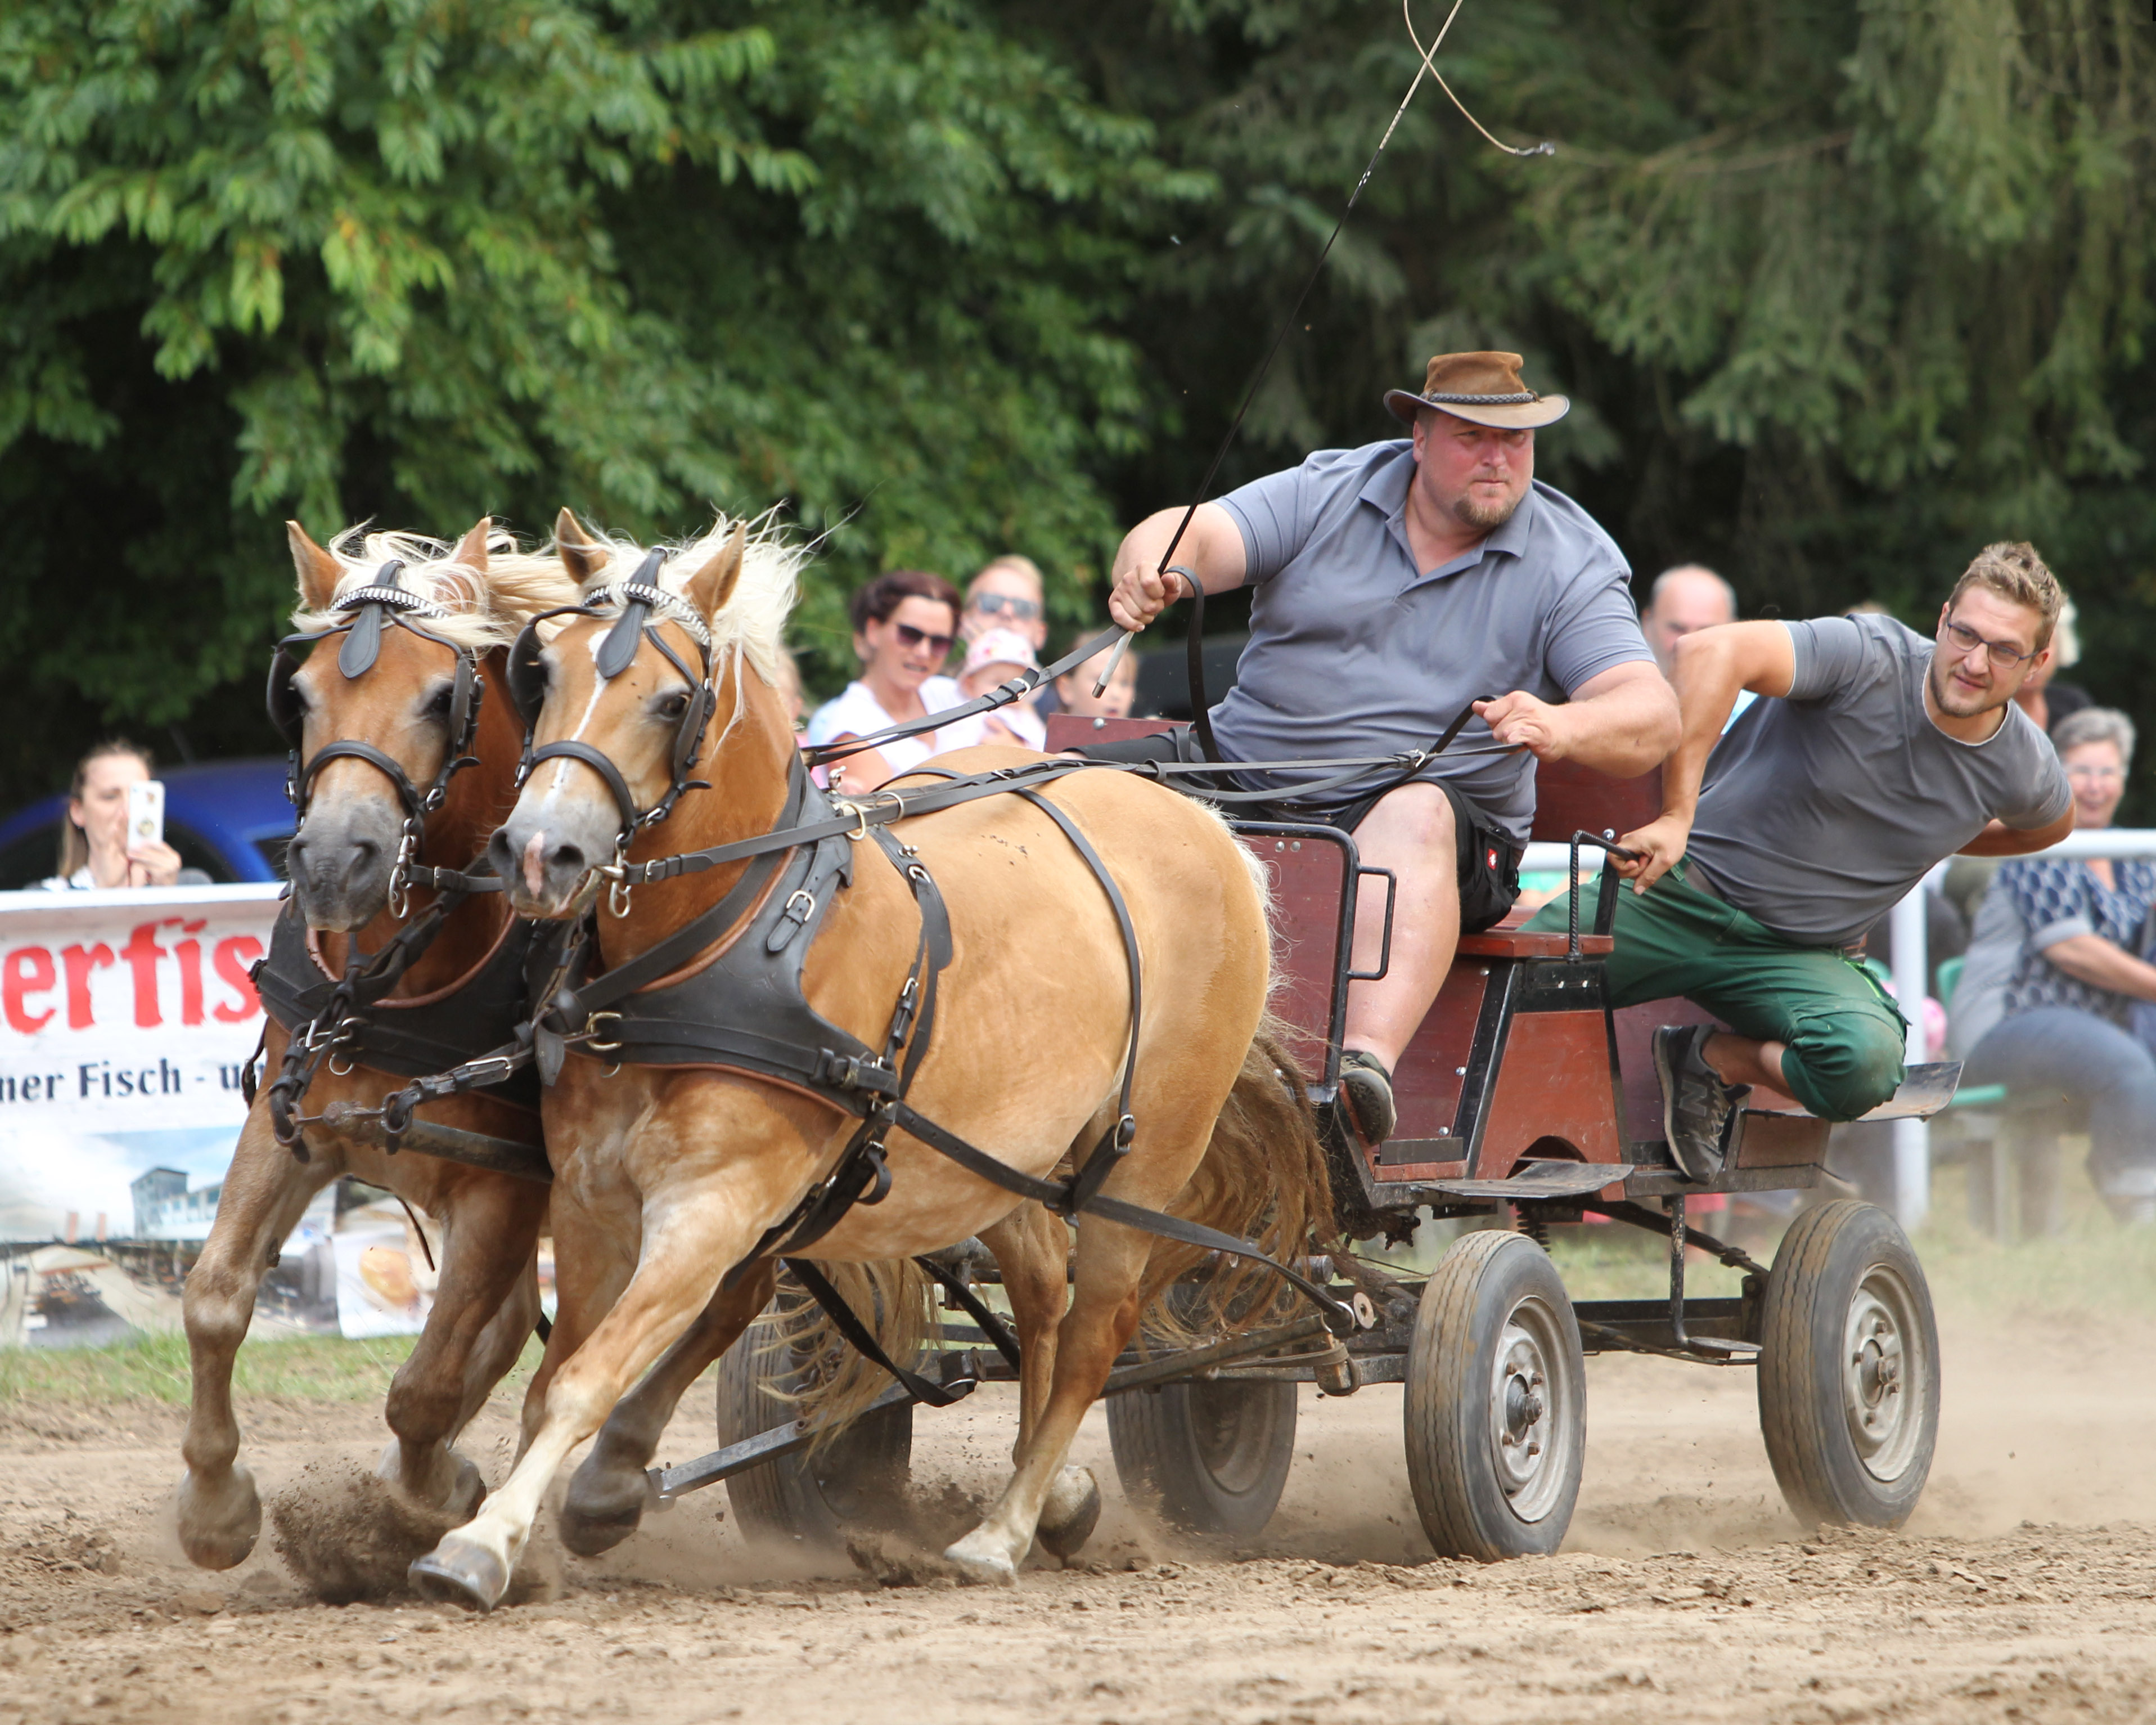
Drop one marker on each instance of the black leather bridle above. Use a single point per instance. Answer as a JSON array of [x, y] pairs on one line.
[[645, 605], [366, 610]]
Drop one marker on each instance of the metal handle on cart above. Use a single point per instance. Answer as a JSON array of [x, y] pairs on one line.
[[1605, 904], [1385, 946]]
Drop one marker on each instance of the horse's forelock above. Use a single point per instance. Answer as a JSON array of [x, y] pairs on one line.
[[484, 610]]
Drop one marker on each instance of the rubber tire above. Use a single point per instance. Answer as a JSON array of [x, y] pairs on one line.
[[1821, 1267], [1210, 1459], [1453, 1469], [809, 1499]]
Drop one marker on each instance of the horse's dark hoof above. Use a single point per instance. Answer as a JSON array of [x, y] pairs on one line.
[[218, 1523], [460, 1571], [1071, 1513], [602, 1507]]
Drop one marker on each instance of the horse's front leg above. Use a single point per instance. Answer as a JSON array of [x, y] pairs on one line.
[[1032, 1249], [607, 1494], [472, 1335], [692, 1230], [266, 1191]]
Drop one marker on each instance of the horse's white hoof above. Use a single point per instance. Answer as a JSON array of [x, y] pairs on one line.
[[461, 1572], [980, 1558], [1071, 1514]]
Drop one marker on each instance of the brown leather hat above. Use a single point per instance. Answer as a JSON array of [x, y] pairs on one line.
[[1482, 388]]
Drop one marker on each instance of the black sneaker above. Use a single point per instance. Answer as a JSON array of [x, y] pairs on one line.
[[1698, 1109], [1367, 1089]]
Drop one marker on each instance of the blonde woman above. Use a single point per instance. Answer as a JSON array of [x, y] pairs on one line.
[[94, 849]]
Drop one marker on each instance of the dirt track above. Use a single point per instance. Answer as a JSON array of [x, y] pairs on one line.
[[2026, 1590]]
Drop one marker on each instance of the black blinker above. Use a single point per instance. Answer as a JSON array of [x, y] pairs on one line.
[[527, 675]]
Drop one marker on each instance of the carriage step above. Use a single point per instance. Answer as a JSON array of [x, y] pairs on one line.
[[1541, 1180]]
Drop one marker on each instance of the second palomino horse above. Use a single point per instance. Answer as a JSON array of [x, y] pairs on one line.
[[381, 716]]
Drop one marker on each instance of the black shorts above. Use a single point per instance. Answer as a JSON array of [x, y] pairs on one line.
[[1489, 861]]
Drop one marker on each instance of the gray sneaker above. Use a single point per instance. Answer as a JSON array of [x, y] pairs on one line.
[[1698, 1109], [1367, 1089]]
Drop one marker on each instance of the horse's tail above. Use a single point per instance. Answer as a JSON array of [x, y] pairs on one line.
[[1264, 1178], [806, 1361]]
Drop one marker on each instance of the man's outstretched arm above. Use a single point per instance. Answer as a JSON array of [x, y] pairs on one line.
[[1620, 722], [1712, 667], [1213, 546]]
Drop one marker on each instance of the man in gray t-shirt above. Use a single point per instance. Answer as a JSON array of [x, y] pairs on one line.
[[1877, 754], [1394, 585]]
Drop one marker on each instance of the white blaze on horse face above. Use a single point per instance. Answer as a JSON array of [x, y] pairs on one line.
[[547, 798]]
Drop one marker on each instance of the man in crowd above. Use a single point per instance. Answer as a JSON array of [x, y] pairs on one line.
[[1872, 754], [1684, 599], [1395, 584]]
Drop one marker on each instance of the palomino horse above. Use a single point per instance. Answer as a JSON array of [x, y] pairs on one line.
[[341, 862], [666, 1175]]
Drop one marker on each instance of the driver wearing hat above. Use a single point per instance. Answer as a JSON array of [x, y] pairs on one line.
[[1392, 585]]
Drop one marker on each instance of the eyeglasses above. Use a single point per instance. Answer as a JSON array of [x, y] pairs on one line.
[[1967, 640], [996, 604], [909, 636], [2105, 774]]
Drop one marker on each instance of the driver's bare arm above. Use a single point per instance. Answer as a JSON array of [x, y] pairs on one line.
[[1620, 722], [1999, 840], [1712, 667], [1213, 546]]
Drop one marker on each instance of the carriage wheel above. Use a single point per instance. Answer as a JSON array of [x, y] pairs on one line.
[[1849, 1368], [808, 1499], [1497, 1402], [1210, 1459]]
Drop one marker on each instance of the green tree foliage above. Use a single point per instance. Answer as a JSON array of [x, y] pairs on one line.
[[1840, 292], [415, 259]]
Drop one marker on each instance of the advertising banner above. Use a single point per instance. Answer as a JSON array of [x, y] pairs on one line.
[[125, 1020]]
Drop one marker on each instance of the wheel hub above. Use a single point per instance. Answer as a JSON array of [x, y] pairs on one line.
[[1877, 1399], [1520, 1412]]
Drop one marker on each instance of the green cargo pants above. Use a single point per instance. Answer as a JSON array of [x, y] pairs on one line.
[[1844, 1034]]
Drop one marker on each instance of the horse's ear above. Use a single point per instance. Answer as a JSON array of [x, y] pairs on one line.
[[471, 549], [711, 586], [319, 572], [582, 556]]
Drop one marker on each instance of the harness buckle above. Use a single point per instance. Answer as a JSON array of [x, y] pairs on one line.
[[590, 1039], [801, 905]]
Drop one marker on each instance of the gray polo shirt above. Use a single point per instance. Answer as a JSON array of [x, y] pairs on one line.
[[1356, 651], [1820, 810]]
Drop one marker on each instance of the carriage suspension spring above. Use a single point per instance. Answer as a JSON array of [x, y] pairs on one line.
[[1532, 1222]]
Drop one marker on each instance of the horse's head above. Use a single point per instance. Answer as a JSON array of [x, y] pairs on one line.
[[387, 700], [624, 698]]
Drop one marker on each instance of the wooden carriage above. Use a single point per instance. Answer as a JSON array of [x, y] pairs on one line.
[[1524, 1099]]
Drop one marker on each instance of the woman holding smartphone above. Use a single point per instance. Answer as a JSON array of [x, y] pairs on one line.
[[95, 851]]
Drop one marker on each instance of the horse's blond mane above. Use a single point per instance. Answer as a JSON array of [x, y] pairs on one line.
[[752, 623], [483, 611]]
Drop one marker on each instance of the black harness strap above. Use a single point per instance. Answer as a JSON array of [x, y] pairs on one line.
[[844, 1321], [991, 1324]]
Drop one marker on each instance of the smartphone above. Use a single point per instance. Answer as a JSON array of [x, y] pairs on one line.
[[146, 813]]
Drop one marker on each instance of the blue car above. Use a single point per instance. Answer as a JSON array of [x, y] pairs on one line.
[[228, 818]]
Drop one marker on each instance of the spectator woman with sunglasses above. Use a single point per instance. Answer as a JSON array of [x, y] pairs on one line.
[[904, 623]]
